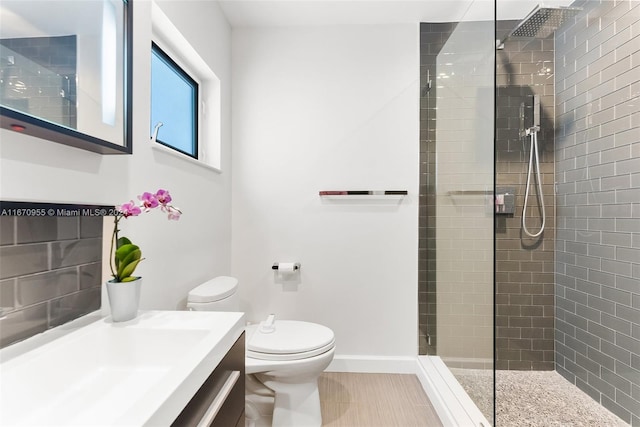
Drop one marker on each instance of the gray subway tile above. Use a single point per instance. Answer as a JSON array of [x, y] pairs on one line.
[[616, 211], [7, 295], [577, 296], [587, 312], [627, 166], [616, 409], [577, 248], [628, 254], [616, 352], [616, 295], [617, 324], [604, 333], [602, 278], [602, 251], [627, 313], [607, 361], [630, 284], [616, 238], [616, 182], [588, 364], [72, 306], [588, 339], [46, 229], [91, 226], [90, 275], [588, 286], [22, 324], [23, 259], [628, 196], [602, 197], [616, 267], [45, 286], [64, 254], [601, 386], [627, 402], [7, 227], [577, 272], [635, 361]]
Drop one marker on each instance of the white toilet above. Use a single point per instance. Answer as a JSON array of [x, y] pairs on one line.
[[284, 359]]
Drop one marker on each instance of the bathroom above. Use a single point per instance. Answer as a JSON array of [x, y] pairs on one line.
[[317, 96]]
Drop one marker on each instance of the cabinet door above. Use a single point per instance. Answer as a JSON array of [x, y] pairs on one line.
[[220, 400]]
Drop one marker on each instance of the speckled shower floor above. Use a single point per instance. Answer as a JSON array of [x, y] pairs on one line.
[[535, 399]]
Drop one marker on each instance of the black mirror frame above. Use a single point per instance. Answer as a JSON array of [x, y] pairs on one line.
[[30, 125]]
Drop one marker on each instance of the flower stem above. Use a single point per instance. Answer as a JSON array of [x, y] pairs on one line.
[[114, 239]]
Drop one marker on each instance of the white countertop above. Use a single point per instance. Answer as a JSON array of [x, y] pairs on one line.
[[136, 373]]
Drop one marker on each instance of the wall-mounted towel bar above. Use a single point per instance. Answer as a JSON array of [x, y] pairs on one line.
[[363, 193]]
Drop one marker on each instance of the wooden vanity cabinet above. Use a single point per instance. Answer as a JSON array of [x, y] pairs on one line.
[[220, 400]]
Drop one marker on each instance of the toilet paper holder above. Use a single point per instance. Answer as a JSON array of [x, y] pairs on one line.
[[276, 266]]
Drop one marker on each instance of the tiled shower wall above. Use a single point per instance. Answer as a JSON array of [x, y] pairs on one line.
[[50, 272], [524, 265], [598, 174]]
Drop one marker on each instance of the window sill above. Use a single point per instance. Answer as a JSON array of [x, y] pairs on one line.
[[162, 149]]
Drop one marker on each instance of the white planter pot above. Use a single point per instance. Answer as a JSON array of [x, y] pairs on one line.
[[124, 298]]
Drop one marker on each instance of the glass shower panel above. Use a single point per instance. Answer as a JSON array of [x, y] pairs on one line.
[[464, 208]]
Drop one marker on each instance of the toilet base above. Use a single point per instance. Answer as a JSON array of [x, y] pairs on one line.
[[295, 405]]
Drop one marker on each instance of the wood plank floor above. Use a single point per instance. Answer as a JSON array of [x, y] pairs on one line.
[[367, 400]]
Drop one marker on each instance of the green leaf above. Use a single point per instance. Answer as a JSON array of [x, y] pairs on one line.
[[123, 246], [128, 270], [133, 256], [122, 241], [129, 279], [123, 251]]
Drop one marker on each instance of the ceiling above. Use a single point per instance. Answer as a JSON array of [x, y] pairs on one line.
[[261, 13]]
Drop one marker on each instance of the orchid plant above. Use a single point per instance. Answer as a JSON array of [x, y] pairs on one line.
[[127, 256]]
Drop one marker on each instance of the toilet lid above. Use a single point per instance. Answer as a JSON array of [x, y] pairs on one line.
[[290, 340], [215, 289]]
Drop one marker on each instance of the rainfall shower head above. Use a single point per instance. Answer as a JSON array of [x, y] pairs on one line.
[[542, 21]]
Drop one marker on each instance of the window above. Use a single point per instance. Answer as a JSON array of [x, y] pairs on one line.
[[201, 119], [174, 103]]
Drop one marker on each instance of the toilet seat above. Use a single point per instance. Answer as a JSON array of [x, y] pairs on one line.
[[291, 340]]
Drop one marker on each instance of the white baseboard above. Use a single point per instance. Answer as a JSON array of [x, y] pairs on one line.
[[452, 404], [373, 364]]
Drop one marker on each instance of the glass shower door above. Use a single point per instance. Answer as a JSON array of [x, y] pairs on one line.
[[464, 188]]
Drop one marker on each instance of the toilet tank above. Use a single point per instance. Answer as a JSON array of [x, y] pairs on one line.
[[217, 294]]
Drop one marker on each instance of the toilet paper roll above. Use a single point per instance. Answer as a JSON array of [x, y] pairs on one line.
[[286, 267]]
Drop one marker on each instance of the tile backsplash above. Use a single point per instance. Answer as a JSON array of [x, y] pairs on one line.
[[50, 272]]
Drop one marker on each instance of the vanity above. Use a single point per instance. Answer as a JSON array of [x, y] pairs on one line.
[[178, 368]]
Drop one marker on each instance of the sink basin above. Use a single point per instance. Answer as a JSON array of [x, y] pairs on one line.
[[140, 372]]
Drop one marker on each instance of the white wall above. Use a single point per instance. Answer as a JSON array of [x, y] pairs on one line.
[[328, 108], [179, 255]]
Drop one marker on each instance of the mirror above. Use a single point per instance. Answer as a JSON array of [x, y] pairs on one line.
[[65, 71]]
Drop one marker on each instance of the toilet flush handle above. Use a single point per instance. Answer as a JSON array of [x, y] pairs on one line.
[[268, 326]]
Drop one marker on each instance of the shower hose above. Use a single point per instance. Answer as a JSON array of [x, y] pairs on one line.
[[532, 152]]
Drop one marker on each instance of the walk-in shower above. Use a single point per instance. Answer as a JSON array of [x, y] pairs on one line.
[[565, 265]]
